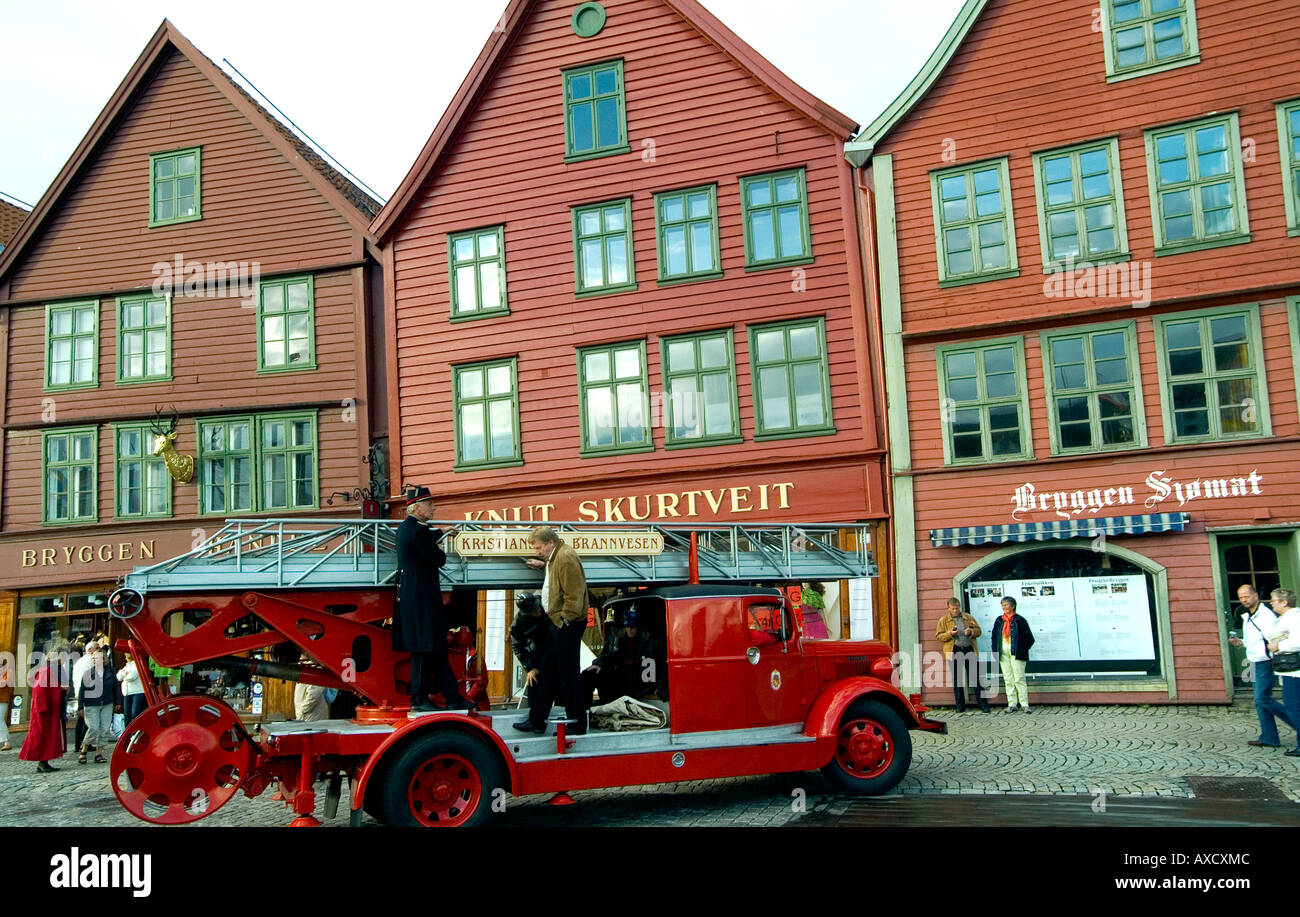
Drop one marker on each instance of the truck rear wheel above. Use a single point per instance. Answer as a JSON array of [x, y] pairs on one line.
[[872, 750], [442, 779]]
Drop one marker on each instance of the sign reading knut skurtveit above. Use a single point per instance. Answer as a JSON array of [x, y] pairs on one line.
[[519, 543]]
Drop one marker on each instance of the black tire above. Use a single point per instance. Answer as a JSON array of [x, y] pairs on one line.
[[464, 764], [890, 750]]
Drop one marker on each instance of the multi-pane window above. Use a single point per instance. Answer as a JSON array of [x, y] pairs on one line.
[[1288, 128], [144, 487], [287, 449], [257, 463], [686, 224], [1198, 193], [69, 459], [174, 187], [975, 232], [478, 272], [602, 245], [791, 379], [1146, 36], [1092, 389], [487, 414], [71, 345], [984, 402], [1211, 372], [286, 326], [614, 398], [700, 376], [143, 339], [225, 460], [595, 120], [774, 210], [1081, 204]]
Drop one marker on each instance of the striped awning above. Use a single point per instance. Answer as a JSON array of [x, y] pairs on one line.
[[1059, 529]]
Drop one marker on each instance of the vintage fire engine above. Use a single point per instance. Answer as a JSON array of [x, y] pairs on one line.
[[749, 694]]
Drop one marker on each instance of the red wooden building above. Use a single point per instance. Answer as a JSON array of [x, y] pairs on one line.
[[1087, 230], [626, 284]]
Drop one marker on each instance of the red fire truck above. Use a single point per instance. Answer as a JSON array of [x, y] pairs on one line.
[[749, 694]]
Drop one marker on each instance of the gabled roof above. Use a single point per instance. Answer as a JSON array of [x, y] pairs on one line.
[[11, 217], [502, 39], [353, 204], [859, 150]]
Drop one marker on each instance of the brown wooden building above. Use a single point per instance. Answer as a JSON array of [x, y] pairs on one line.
[[1087, 238], [627, 284], [192, 254]]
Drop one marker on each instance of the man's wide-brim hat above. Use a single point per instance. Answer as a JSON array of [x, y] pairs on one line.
[[416, 495]]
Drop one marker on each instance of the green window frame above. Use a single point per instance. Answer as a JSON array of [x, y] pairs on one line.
[[144, 345], [143, 487], [1288, 131], [69, 475], [1093, 382], [1141, 37], [252, 463], [71, 345], [595, 111], [1293, 317], [686, 234], [984, 401], [603, 257], [614, 399], [226, 461], [288, 478], [486, 401], [476, 264], [175, 186], [1081, 204], [790, 374], [1197, 185], [974, 226], [1212, 375], [700, 389], [774, 216], [286, 325]]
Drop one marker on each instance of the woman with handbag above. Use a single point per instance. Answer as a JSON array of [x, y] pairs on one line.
[[1284, 644]]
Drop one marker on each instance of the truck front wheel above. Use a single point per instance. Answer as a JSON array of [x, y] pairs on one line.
[[872, 750], [442, 779]]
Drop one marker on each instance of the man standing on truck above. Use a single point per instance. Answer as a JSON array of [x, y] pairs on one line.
[[564, 596], [419, 626]]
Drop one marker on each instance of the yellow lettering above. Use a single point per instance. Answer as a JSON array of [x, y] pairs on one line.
[[473, 515], [85, 554], [67, 554], [587, 510], [762, 496], [146, 549], [714, 505], [29, 557], [631, 508], [545, 511], [614, 511], [664, 509], [690, 496], [100, 552], [124, 550], [47, 557], [736, 498], [784, 493]]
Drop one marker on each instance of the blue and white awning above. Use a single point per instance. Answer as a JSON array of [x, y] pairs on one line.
[[1059, 529]]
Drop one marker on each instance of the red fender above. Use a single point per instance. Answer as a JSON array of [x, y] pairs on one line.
[[824, 717], [472, 724]]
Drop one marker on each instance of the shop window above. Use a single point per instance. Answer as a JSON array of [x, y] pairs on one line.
[[1142, 37], [258, 463], [595, 119], [486, 401], [1081, 204], [1198, 189], [174, 187], [975, 235], [1211, 375], [774, 214], [52, 621], [1288, 129], [286, 325], [1093, 389], [478, 273], [144, 488], [791, 379], [614, 404], [984, 402], [143, 339], [686, 230], [700, 378], [71, 346], [602, 247], [70, 469]]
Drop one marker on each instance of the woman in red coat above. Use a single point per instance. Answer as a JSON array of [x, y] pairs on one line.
[[46, 728]]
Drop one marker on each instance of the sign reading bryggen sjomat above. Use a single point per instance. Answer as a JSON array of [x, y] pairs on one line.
[[1158, 489], [518, 543]]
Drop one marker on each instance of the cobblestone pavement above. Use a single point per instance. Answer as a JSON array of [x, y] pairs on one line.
[[1058, 751]]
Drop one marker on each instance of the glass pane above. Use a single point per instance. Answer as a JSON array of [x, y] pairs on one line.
[[775, 399], [498, 378], [681, 356], [809, 409], [607, 122], [791, 232], [466, 293], [580, 86], [1185, 363], [1075, 435], [966, 446], [1056, 168], [614, 218], [1117, 432], [606, 81], [239, 439], [675, 250], [61, 322], [759, 193], [593, 267], [672, 209], [273, 298], [128, 442], [1067, 350], [303, 479], [717, 404], [618, 269], [600, 417], [473, 447], [589, 222], [133, 314], [699, 205], [627, 362], [713, 352], [960, 364], [966, 421], [463, 249], [1005, 442], [298, 298], [56, 449], [470, 383], [83, 447], [1000, 385], [164, 168], [631, 417], [999, 360], [685, 406], [787, 189], [501, 419], [1183, 334], [584, 131], [1071, 409], [1070, 376], [702, 247], [1114, 404], [770, 345], [301, 433], [596, 366], [487, 244], [273, 434], [185, 164], [963, 389], [1188, 395], [1108, 345], [761, 236], [1112, 372], [804, 342], [489, 276]]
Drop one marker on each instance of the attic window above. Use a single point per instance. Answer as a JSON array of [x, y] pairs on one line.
[[174, 195], [588, 20]]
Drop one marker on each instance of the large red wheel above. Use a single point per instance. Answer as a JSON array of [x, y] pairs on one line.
[[442, 780], [180, 760], [872, 750]]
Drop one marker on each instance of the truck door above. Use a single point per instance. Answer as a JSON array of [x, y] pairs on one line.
[[777, 671]]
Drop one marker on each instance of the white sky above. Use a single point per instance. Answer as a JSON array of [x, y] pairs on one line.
[[368, 81]]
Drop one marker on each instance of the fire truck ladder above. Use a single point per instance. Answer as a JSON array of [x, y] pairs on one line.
[[262, 554]]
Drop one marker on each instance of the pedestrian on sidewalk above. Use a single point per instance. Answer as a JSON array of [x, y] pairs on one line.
[[96, 695], [1286, 639], [958, 632], [6, 698], [1012, 639], [133, 699], [1257, 620], [47, 728]]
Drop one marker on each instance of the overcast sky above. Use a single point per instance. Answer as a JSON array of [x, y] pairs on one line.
[[369, 80]]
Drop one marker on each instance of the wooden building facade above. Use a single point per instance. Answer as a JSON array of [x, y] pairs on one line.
[[1087, 248], [627, 285], [192, 256]]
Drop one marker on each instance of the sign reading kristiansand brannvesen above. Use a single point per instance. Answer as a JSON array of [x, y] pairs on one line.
[[519, 543], [1160, 487]]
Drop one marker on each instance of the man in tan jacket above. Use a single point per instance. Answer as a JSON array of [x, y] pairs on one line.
[[958, 631], [564, 596]]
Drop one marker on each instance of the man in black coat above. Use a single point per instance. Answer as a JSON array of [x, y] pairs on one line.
[[419, 626]]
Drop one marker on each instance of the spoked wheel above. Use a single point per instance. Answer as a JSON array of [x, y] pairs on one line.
[[872, 750], [180, 760], [125, 603], [442, 780]]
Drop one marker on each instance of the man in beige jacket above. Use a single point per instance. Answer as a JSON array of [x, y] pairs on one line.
[[958, 631]]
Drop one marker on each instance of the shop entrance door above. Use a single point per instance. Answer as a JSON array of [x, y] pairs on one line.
[[1263, 561]]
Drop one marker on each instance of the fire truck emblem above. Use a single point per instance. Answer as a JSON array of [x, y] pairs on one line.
[[776, 680]]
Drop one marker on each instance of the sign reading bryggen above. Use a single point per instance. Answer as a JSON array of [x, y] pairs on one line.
[[518, 544], [1159, 488]]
